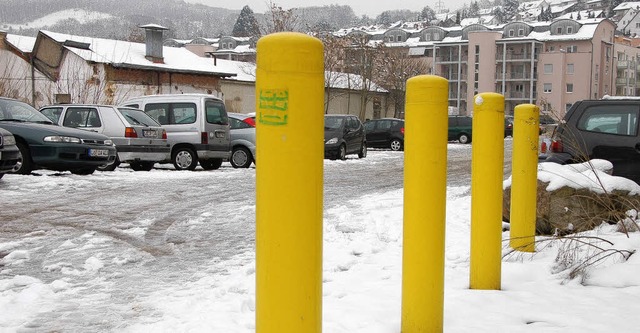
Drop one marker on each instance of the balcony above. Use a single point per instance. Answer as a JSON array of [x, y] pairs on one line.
[[455, 77], [516, 56], [519, 95], [624, 81], [516, 76], [451, 58]]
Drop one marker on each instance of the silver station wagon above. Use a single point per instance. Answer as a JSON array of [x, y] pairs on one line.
[[140, 140]]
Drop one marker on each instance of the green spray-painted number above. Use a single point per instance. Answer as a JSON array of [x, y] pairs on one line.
[[274, 106]]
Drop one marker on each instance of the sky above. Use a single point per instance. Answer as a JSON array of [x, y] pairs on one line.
[[360, 7], [362, 268]]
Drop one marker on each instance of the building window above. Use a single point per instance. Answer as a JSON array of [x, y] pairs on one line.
[[224, 46], [569, 68], [569, 87], [436, 36], [427, 37], [547, 87], [569, 30], [519, 87], [520, 32], [559, 30], [548, 68], [511, 33], [637, 25], [567, 107], [399, 38], [572, 49]]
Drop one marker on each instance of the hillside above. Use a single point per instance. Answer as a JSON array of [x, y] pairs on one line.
[[119, 19]]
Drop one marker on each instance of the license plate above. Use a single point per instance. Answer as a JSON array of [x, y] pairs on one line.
[[98, 152], [149, 133]]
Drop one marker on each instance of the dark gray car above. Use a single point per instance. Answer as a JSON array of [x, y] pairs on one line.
[[45, 145], [9, 153], [344, 135]]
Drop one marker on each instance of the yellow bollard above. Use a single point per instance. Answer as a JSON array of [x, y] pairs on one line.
[[524, 177], [425, 186], [487, 158], [289, 183]]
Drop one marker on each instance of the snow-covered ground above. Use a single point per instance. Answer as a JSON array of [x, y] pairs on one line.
[[361, 278]]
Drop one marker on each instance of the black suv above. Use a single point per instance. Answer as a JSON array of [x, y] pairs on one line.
[[343, 135], [603, 129], [385, 133]]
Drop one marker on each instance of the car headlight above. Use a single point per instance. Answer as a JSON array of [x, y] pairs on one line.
[[108, 143], [9, 140], [58, 138], [332, 141]]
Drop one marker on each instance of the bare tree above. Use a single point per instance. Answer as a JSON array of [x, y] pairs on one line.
[[362, 58], [278, 19], [334, 53], [395, 67]]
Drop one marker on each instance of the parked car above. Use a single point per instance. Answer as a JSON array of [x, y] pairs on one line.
[[9, 152], [197, 127], [243, 140], [140, 140], [45, 145], [508, 126], [460, 128], [600, 129], [385, 133], [344, 135]]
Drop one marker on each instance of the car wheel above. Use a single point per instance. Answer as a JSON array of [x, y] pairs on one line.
[[24, 165], [109, 167], [212, 164], [83, 171], [363, 150], [185, 159], [141, 166], [464, 138], [396, 145], [241, 157], [342, 153]]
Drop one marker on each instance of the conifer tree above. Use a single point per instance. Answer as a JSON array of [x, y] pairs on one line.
[[246, 25]]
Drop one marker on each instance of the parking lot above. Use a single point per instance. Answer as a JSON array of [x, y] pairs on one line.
[[110, 239]]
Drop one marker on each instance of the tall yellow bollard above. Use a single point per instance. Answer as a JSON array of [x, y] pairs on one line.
[[524, 177], [425, 186], [487, 158], [289, 183]]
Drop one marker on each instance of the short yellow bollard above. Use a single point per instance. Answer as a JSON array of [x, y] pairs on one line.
[[425, 186], [487, 158], [289, 183], [524, 177]]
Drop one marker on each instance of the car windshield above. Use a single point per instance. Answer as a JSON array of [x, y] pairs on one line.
[[332, 123], [138, 117], [11, 110]]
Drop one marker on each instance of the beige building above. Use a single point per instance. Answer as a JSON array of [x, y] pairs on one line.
[[551, 64]]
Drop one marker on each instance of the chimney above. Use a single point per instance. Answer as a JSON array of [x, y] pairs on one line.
[[153, 41]]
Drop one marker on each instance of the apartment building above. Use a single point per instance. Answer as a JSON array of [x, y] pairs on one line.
[[551, 64]]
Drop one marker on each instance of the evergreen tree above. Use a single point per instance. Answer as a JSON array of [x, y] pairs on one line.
[[510, 8], [427, 14], [474, 9], [499, 15], [548, 16], [458, 18], [612, 5], [246, 25]]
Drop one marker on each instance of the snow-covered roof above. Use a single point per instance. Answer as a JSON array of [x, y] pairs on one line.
[[119, 53], [247, 72], [22, 43], [586, 32], [626, 5]]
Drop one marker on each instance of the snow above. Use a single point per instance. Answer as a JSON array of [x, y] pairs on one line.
[[80, 15], [362, 268]]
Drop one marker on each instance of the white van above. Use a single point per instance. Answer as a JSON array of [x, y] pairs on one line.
[[197, 127]]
